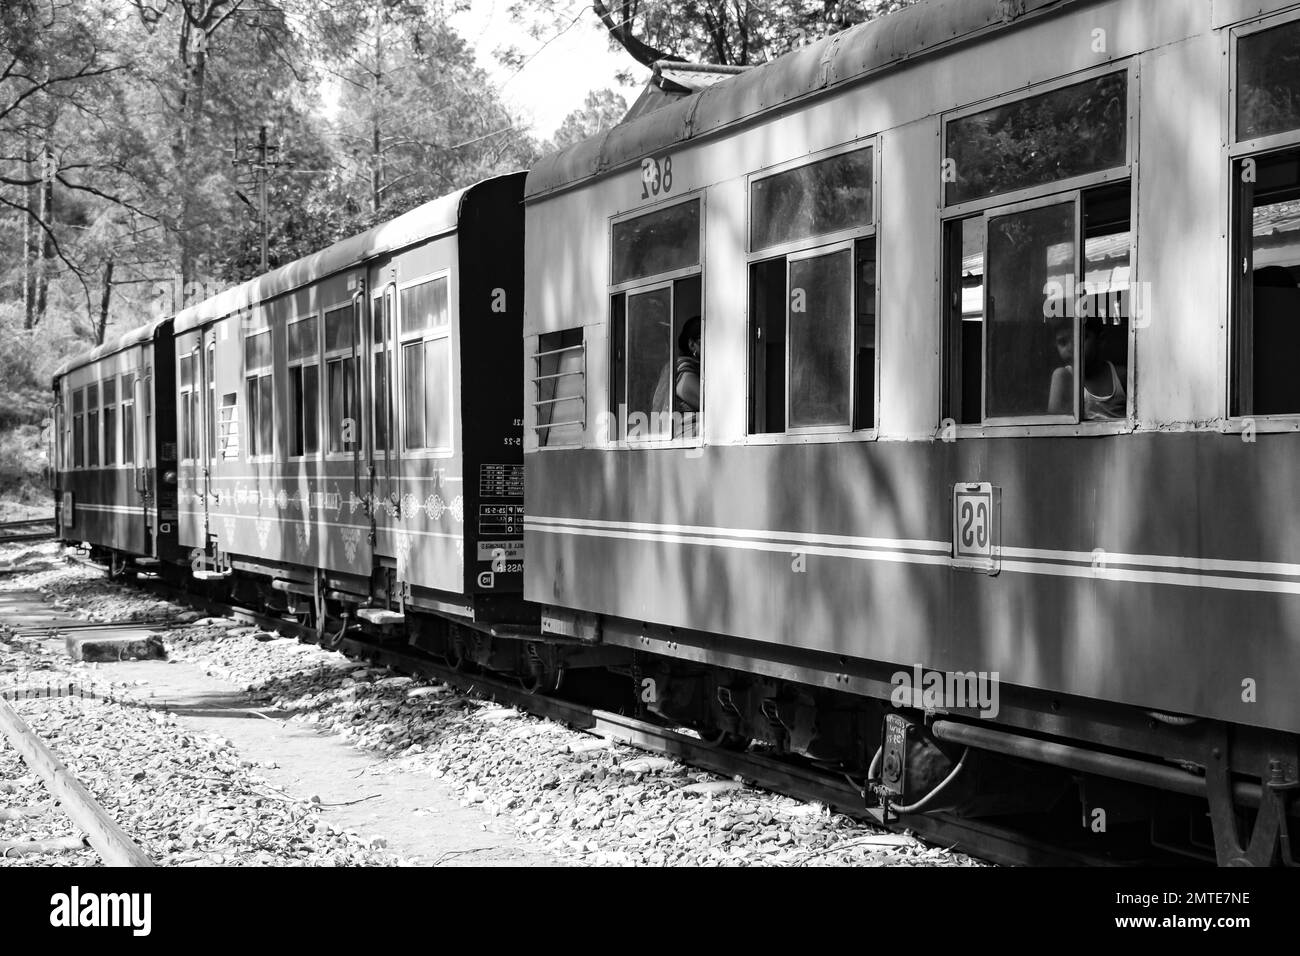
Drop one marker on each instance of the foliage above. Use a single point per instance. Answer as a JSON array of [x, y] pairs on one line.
[[602, 110]]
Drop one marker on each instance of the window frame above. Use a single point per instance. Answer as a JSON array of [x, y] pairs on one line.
[[1234, 153], [424, 337], [314, 359], [617, 437], [1128, 170], [77, 424], [1024, 199], [254, 325], [809, 247], [111, 410], [356, 353]]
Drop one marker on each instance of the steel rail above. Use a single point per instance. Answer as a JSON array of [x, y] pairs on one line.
[[102, 832]]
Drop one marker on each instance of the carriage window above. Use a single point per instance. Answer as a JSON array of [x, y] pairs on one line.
[[657, 331], [92, 426], [560, 383], [110, 421], [1267, 323], [128, 419], [1058, 135], [343, 404], [79, 428], [381, 320], [304, 387], [426, 365], [187, 406], [228, 425], [259, 393], [657, 243], [819, 199], [812, 358], [1268, 82], [1036, 331]]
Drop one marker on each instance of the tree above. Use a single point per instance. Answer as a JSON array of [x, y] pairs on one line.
[[601, 110], [724, 32]]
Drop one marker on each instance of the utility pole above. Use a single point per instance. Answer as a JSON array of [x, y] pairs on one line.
[[259, 159]]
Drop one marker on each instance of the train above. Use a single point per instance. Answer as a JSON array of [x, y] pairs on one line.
[[919, 404]]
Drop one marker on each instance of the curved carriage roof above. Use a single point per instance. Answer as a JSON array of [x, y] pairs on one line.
[[143, 333], [434, 218], [832, 63]]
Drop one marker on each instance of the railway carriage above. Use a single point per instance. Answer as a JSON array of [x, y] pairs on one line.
[[349, 433], [114, 448], [999, 307]]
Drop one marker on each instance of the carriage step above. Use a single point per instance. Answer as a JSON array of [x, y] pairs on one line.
[[206, 575], [380, 616]]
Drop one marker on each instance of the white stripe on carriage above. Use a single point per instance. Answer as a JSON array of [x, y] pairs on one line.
[[838, 540], [1101, 572], [113, 509], [380, 529]]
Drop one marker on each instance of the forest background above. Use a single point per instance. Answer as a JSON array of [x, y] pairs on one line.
[[131, 132]]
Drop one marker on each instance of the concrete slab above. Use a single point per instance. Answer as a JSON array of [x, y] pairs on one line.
[[120, 645]]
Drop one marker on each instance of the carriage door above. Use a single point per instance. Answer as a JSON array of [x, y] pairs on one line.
[[383, 465], [208, 403]]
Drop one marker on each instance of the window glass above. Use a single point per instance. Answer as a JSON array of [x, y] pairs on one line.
[[649, 362], [381, 393], [1068, 132], [266, 419], [662, 241], [413, 371], [186, 372], [817, 199], [79, 428], [344, 406], [437, 393], [821, 339], [302, 339], [128, 433], [1027, 251], [257, 350], [424, 306], [110, 421], [1268, 82], [92, 424], [338, 329]]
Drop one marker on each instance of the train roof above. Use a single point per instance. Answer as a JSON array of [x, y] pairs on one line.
[[142, 333], [842, 59], [434, 218]]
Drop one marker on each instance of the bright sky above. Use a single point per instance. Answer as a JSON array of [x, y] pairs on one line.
[[570, 60]]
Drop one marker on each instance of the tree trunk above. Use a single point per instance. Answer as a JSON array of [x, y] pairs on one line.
[[43, 264], [29, 240], [376, 151], [102, 326]]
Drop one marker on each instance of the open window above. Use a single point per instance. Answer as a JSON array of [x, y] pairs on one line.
[[812, 292], [656, 325], [1266, 212], [560, 387], [1037, 260], [426, 365]]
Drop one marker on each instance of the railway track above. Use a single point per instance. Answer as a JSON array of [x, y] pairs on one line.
[[100, 831], [33, 529], [790, 777]]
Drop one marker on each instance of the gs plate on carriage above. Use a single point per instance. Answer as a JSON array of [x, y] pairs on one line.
[[976, 527]]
